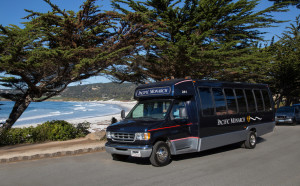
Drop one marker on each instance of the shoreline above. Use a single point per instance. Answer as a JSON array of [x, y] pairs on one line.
[[98, 123]]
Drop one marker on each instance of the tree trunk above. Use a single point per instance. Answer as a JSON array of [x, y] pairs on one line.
[[279, 101], [18, 109], [288, 101]]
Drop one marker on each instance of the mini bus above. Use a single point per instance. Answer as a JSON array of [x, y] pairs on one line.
[[185, 115]]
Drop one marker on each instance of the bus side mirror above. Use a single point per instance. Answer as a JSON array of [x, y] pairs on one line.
[[123, 114]]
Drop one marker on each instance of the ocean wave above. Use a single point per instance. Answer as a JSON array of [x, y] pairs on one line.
[[44, 116], [56, 112], [46, 111], [79, 108], [96, 105]]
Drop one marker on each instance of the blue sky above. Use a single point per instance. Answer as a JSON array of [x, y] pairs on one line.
[[11, 12]]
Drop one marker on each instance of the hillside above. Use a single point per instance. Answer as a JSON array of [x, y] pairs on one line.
[[98, 91]]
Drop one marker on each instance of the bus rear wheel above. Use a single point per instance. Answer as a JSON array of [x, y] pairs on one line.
[[250, 142], [160, 154]]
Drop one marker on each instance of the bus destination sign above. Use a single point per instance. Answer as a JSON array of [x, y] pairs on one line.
[[153, 91]]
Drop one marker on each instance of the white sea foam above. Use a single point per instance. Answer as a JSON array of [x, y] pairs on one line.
[[2, 120], [56, 112], [45, 116], [73, 112], [96, 105], [79, 108]]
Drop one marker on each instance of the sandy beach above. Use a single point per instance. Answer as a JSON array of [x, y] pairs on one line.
[[101, 122], [98, 122]]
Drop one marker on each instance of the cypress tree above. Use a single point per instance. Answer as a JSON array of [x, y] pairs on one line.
[[59, 47], [288, 2], [285, 70], [205, 39]]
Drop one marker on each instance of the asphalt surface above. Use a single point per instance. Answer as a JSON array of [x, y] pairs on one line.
[[274, 161]]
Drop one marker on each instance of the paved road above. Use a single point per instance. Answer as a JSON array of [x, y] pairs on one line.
[[274, 161]]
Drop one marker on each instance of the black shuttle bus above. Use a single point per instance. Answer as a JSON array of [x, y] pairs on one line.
[[185, 115]]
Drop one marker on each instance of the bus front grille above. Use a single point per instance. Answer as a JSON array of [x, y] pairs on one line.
[[123, 137]]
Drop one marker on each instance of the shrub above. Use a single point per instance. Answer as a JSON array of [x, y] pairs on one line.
[[57, 130], [82, 129]]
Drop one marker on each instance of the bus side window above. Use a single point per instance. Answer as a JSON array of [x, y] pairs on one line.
[[266, 100], [231, 103], [206, 101], [219, 101], [259, 100], [250, 100], [179, 111], [241, 100]]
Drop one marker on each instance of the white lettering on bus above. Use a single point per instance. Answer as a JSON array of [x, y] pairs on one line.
[[231, 121]]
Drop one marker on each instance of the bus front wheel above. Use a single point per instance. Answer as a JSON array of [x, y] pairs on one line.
[[160, 154]]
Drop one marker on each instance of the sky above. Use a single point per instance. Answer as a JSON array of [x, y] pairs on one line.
[[12, 12]]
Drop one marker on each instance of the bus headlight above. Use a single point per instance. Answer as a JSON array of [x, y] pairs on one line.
[[142, 136], [108, 135]]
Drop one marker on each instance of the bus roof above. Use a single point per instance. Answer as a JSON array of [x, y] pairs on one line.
[[185, 87]]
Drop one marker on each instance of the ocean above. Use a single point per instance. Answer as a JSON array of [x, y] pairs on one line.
[[41, 112]]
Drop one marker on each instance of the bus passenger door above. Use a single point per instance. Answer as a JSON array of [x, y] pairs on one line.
[[182, 139]]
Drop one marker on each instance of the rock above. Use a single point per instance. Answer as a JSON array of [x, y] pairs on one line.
[[99, 135]]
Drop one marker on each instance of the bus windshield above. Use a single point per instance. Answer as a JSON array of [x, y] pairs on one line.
[[150, 109]]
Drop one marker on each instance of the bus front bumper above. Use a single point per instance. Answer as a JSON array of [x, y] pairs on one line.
[[130, 150]]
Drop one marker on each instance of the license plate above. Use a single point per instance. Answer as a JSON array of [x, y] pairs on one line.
[[281, 120], [136, 153]]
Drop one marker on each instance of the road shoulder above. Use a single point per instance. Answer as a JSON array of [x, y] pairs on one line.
[[25, 152]]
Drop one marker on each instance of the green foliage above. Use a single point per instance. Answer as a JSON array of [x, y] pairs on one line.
[[285, 70], [48, 131], [204, 39], [288, 2], [59, 47]]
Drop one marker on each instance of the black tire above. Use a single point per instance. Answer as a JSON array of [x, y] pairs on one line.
[[160, 155], [119, 157], [250, 142], [294, 122]]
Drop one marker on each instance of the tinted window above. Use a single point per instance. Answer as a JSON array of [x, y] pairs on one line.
[[179, 111], [241, 100], [259, 100], [219, 101], [230, 98], [250, 100], [266, 100], [206, 101], [150, 109]]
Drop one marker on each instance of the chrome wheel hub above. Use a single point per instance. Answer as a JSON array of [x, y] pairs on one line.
[[252, 140], [162, 154]]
